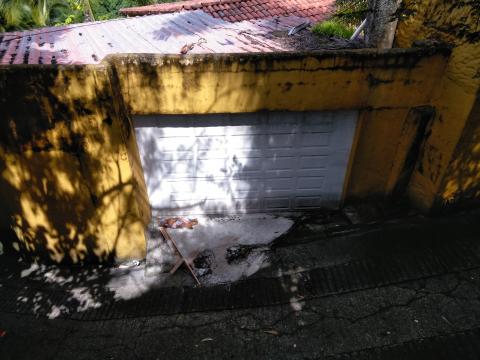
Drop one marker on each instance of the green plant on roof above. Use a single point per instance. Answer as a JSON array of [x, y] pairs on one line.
[[348, 15], [333, 28]]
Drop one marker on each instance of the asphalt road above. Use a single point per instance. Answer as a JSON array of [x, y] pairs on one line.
[[397, 289]]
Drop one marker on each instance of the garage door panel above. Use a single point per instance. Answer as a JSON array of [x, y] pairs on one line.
[[289, 192], [230, 130], [310, 120], [279, 140], [243, 166], [315, 139], [310, 183], [245, 162], [228, 154], [217, 187], [279, 184], [242, 142], [182, 171], [308, 202], [303, 120], [313, 172], [313, 151], [277, 203], [271, 193], [214, 206], [181, 144], [226, 165], [312, 162], [279, 163], [296, 173], [167, 156], [224, 197], [280, 173]]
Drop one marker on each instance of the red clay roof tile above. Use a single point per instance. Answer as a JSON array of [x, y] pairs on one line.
[[238, 10]]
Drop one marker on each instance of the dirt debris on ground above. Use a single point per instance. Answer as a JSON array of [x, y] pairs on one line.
[[225, 248], [203, 262], [238, 253]]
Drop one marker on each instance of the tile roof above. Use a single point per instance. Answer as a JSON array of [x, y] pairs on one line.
[[89, 43], [238, 10]]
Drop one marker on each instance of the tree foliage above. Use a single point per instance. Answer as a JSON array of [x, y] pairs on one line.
[[108, 9], [351, 12], [26, 14]]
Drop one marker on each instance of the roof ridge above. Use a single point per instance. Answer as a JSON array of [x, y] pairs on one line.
[[239, 10], [177, 5]]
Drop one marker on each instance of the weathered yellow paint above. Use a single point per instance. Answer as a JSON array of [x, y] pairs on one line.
[[66, 153], [294, 82], [347, 192], [462, 180], [70, 167], [444, 173], [380, 143]]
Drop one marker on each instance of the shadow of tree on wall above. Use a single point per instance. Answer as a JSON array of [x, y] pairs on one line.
[[253, 162], [207, 168], [462, 182], [67, 191], [61, 169]]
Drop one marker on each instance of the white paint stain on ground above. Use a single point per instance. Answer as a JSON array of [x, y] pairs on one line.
[[216, 235], [212, 234], [220, 234]]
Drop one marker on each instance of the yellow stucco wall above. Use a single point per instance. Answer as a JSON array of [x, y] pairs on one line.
[[66, 181], [448, 168], [355, 79], [70, 169], [375, 164]]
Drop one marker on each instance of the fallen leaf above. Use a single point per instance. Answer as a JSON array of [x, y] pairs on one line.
[[271, 332], [186, 48], [206, 339]]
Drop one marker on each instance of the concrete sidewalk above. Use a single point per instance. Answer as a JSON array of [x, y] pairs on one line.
[[405, 287]]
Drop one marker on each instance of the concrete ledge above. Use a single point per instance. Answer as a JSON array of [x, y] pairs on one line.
[[327, 80]]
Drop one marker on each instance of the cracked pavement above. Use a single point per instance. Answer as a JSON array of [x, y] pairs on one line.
[[313, 328]]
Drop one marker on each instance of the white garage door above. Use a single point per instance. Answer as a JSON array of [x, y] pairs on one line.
[[236, 163]]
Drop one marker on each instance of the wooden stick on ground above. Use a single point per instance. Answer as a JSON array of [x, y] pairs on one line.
[[167, 237], [180, 261]]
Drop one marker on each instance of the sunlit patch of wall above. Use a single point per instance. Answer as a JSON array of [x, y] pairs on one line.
[[447, 171], [66, 150], [461, 185]]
